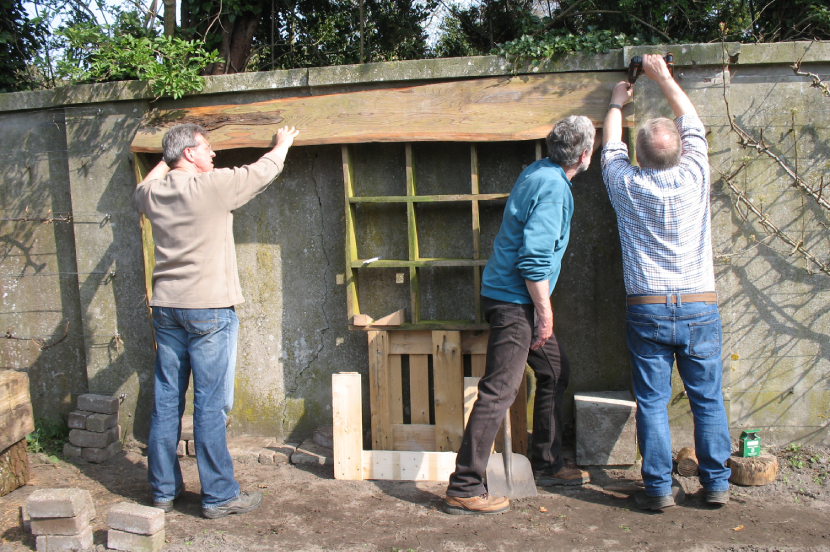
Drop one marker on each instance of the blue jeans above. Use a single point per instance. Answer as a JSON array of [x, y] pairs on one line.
[[201, 341], [689, 333]]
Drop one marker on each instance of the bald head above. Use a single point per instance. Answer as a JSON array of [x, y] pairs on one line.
[[658, 144]]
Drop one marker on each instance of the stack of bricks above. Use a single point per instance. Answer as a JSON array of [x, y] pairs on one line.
[[135, 528], [59, 518], [94, 432]]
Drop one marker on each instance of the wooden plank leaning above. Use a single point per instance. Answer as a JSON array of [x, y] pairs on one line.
[[347, 419]]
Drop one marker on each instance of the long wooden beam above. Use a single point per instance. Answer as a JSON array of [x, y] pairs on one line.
[[408, 465], [476, 110]]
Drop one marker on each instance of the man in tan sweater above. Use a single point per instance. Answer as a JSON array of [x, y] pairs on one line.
[[195, 287]]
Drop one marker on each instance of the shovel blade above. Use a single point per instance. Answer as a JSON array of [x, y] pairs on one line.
[[518, 484]]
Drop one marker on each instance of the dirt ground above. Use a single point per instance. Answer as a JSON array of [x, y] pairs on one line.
[[305, 508]]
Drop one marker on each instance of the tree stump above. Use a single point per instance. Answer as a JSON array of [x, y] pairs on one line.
[[14, 467], [687, 462], [753, 470]]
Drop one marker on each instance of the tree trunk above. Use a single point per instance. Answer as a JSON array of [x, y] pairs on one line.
[[236, 44], [14, 467], [169, 17]]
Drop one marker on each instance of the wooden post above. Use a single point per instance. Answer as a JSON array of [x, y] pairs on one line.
[[16, 421], [347, 415]]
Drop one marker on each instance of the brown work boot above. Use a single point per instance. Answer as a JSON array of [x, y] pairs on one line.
[[565, 476], [475, 505]]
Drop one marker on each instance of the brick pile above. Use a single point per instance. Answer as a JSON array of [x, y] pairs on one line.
[[59, 518], [135, 528], [94, 432]]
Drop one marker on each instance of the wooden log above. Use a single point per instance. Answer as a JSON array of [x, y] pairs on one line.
[[347, 422], [473, 110], [753, 470], [687, 462], [14, 467], [16, 416]]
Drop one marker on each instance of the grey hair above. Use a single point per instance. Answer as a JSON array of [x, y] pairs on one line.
[[569, 138], [178, 138], [658, 144]]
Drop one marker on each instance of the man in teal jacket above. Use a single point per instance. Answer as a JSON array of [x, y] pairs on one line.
[[516, 286]]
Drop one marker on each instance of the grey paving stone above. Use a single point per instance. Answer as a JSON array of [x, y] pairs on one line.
[[191, 448], [101, 422], [324, 437], [310, 453], [71, 451], [84, 438], [181, 449], [77, 419], [25, 520], [134, 518], [99, 455], [50, 543], [121, 540], [67, 526], [98, 403], [54, 503], [187, 428], [606, 430]]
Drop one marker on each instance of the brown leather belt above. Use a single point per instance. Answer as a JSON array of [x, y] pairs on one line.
[[709, 297]]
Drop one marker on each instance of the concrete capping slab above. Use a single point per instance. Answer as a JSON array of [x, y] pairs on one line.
[[687, 54], [419, 70]]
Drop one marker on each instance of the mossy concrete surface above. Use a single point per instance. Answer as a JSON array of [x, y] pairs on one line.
[[66, 151]]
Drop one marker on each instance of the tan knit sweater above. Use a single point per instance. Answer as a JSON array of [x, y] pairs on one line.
[[193, 231]]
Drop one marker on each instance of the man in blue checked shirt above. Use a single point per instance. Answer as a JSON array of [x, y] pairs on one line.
[[664, 220]]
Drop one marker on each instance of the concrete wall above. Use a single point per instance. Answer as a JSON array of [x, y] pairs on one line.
[[67, 150]]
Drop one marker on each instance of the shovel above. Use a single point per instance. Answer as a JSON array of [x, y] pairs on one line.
[[509, 474]]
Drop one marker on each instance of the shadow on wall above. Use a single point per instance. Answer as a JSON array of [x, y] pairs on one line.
[[118, 339], [40, 305]]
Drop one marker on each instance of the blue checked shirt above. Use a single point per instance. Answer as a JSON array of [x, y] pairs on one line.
[[664, 217]]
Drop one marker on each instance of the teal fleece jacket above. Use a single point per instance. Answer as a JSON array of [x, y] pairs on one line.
[[533, 235]]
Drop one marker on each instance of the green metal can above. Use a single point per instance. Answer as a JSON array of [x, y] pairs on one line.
[[750, 443]]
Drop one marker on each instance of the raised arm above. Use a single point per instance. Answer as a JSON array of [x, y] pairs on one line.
[[612, 129], [655, 68], [156, 173]]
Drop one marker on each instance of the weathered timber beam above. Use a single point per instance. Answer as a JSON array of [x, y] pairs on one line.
[[476, 110]]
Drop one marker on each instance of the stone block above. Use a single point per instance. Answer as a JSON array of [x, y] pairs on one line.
[[191, 448], [121, 540], [134, 518], [276, 454], [606, 431], [310, 453], [71, 451], [77, 419], [66, 526], [84, 438], [54, 503], [324, 437], [98, 403], [99, 455], [181, 449], [50, 543], [100, 423], [187, 428], [25, 520]]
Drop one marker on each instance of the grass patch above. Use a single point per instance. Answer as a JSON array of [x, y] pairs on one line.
[[48, 437]]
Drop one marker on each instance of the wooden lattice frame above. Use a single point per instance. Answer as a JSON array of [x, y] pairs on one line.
[[415, 262]]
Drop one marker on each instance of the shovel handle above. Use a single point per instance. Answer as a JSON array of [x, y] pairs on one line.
[[507, 453]]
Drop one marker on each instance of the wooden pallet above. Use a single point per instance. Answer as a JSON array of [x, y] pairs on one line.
[[418, 450]]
